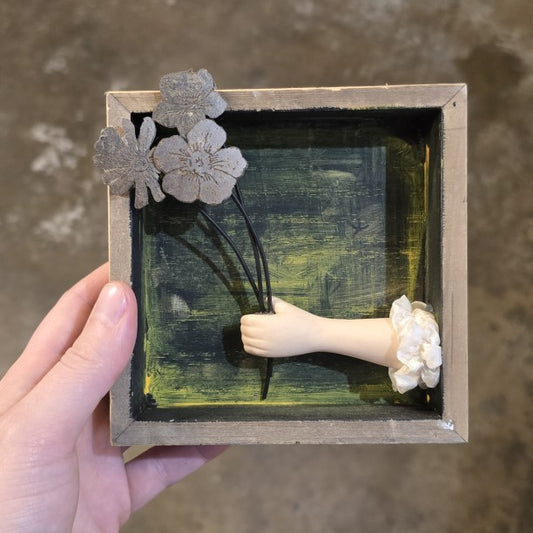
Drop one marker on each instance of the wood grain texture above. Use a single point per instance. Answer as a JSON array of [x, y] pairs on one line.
[[454, 323], [390, 431], [377, 97]]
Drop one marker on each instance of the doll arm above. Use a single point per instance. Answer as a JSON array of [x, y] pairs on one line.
[[293, 331], [407, 342]]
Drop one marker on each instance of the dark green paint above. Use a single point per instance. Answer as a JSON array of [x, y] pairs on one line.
[[338, 201]]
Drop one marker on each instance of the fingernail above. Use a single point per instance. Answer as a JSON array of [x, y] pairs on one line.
[[111, 303]]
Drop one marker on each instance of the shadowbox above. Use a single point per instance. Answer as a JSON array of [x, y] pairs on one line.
[[359, 196]]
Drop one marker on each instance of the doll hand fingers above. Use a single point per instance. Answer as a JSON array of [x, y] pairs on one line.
[[281, 306], [253, 331], [254, 350], [260, 322], [254, 345], [253, 320], [247, 321]]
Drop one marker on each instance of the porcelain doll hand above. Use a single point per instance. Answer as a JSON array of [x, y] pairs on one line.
[[290, 331]]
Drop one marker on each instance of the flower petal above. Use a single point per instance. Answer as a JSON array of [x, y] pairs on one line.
[[215, 105], [206, 79], [129, 133], [207, 136], [218, 188], [152, 182], [230, 161], [109, 150], [141, 195], [183, 186], [119, 180], [146, 135], [170, 153], [184, 88], [165, 113], [185, 120], [171, 115], [113, 157], [173, 83]]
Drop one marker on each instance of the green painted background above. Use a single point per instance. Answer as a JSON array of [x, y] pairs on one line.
[[339, 204]]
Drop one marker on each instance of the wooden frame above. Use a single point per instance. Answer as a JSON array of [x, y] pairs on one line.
[[448, 293]]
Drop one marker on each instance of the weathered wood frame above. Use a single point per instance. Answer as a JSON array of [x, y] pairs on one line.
[[451, 100]]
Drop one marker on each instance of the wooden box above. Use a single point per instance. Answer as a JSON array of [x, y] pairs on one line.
[[360, 196]]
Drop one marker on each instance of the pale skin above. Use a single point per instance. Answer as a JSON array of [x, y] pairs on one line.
[[292, 331], [58, 470]]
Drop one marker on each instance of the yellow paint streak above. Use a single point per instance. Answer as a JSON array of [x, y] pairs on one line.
[[417, 228]]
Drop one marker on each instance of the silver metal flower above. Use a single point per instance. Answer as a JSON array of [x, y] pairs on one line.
[[199, 168], [126, 161], [188, 97]]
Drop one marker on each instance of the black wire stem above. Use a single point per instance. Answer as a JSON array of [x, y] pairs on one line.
[[258, 250], [242, 261], [253, 238], [261, 265]]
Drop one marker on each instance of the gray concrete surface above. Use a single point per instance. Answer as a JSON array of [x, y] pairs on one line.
[[57, 57]]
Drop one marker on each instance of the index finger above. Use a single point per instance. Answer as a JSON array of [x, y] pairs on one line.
[[56, 333]]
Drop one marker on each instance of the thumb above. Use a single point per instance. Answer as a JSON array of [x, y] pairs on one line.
[[281, 306], [66, 397]]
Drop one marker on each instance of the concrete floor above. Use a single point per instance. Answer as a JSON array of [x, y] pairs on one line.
[[57, 58]]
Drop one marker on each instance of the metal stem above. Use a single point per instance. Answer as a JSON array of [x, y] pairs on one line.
[[229, 240]]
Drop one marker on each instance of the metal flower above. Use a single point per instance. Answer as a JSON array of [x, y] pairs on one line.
[[199, 168], [126, 161], [188, 97]]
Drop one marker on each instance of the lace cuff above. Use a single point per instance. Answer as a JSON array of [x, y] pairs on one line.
[[418, 346]]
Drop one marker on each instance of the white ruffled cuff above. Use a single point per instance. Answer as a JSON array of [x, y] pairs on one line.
[[418, 346]]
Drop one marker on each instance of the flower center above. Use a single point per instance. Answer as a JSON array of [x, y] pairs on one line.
[[200, 163], [140, 163]]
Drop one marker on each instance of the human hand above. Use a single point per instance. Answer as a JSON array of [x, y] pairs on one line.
[[58, 470], [286, 332]]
